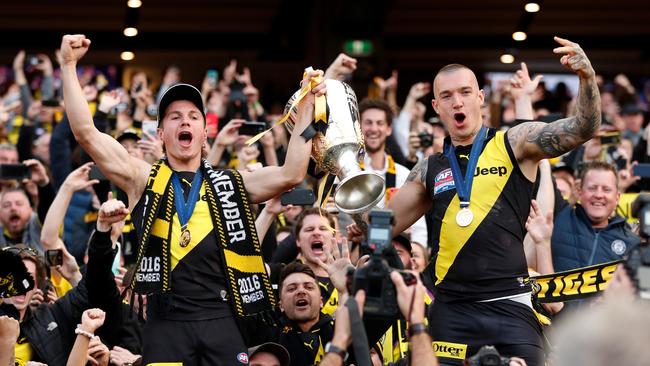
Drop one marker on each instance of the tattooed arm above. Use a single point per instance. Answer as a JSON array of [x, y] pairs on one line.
[[411, 200], [534, 141]]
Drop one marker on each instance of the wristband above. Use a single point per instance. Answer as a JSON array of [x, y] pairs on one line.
[[330, 348], [83, 332], [415, 329], [137, 362]]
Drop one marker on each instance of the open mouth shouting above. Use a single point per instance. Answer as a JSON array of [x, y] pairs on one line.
[[302, 304], [459, 118], [317, 248], [185, 138], [14, 220]]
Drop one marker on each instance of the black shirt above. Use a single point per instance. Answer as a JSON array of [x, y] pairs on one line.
[[198, 285]]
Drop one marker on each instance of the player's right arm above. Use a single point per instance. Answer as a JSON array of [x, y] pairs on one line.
[[411, 200], [409, 204], [128, 173]]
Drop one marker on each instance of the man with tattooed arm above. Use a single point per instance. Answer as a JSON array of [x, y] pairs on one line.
[[478, 193]]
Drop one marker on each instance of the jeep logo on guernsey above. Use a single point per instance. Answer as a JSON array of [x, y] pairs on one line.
[[450, 350], [501, 170]]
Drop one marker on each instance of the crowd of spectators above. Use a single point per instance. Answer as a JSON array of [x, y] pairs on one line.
[[581, 217]]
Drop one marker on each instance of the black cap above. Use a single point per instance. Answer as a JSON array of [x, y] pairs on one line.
[[273, 348], [404, 241], [631, 108], [180, 92], [129, 134]]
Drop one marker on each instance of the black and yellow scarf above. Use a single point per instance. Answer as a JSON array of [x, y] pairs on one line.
[[248, 284]]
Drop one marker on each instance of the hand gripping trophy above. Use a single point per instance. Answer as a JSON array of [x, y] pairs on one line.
[[338, 147]]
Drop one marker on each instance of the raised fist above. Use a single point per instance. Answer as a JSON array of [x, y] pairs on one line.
[[341, 67], [92, 319], [111, 212], [73, 48]]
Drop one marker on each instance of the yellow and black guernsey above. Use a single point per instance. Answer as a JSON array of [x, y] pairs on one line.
[[23, 351], [484, 260], [329, 294], [220, 271], [196, 271]]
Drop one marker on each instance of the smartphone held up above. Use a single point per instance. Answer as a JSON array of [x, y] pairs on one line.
[[14, 171], [54, 257], [252, 128], [298, 197]]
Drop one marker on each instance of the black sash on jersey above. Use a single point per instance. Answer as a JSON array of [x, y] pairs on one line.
[[234, 227]]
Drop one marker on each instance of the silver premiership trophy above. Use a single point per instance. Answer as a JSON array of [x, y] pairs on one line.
[[339, 149]]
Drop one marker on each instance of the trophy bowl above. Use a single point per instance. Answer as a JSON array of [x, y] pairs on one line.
[[339, 149]]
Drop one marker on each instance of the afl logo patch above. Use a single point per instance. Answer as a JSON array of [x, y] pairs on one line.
[[618, 247], [243, 358], [444, 181]]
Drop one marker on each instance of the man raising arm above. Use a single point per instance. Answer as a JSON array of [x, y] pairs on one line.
[[534, 141], [199, 258], [478, 193], [131, 174], [530, 141], [126, 172]]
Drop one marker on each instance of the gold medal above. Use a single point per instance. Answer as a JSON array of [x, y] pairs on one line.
[[185, 238], [464, 217]]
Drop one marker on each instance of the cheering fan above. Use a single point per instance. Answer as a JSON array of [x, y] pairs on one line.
[[14, 278]]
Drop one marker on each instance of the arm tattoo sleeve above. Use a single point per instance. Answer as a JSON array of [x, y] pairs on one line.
[[559, 137], [419, 171]]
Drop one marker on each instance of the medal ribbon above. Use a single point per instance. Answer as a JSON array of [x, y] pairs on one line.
[[464, 186], [183, 208]]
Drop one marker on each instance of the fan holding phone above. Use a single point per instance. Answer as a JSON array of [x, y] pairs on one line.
[[62, 266], [150, 144], [19, 221]]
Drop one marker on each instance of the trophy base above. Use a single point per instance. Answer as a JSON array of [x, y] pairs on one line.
[[359, 192]]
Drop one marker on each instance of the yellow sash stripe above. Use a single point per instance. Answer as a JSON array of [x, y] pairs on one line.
[[243, 263], [321, 352], [485, 191], [161, 180], [160, 228]]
